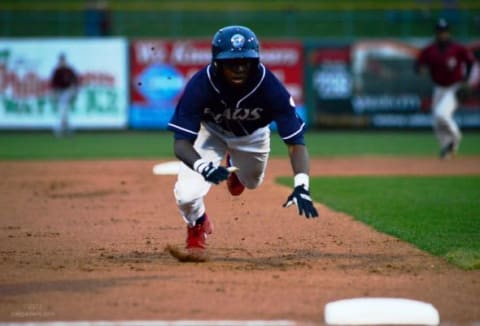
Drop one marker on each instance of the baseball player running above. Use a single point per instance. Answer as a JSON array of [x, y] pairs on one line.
[[450, 65], [225, 111], [64, 83]]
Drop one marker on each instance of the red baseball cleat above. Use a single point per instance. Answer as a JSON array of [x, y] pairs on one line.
[[197, 235], [235, 187]]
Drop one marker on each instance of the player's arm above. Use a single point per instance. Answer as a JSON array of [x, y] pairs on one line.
[[464, 90], [185, 123], [469, 60], [420, 66], [185, 152], [291, 129], [299, 158], [300, 196], [76, 79]]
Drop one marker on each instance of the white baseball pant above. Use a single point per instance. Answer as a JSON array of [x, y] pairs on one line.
[[64, 99], [444, 105], [249, 154]]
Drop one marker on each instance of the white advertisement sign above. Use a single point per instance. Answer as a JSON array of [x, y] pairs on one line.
[[26, 98]]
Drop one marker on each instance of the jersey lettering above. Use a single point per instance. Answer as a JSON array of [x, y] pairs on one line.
[[452, 63], [241, 114]]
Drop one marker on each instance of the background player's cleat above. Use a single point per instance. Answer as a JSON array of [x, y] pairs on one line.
[[235, 187], [447, 151], [197, 235]]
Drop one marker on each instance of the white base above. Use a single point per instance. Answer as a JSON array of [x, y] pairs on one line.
[[167, 168], [380, 311], [172, 168]]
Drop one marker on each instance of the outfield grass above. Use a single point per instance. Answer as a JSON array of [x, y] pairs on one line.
[[85, 145], [388, 143], [440, 215], [155, 144]]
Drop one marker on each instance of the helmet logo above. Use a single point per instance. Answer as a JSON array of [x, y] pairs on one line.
[[238, 40]]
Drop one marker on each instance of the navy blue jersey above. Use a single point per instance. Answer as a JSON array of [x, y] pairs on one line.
[[207, 100]]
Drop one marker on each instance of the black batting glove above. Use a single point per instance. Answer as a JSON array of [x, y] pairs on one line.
[[211, 173], [301, 197]]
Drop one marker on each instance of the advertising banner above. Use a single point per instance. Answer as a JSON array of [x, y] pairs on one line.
[[26, 66], [332, 82], [161, 68], [372, 83]]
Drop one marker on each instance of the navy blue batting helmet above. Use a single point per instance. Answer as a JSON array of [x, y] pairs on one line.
[[235, 42], [442, 25]]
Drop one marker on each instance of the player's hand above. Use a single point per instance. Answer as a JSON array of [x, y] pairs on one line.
[[301, 197], [463, 92], [211, 173]]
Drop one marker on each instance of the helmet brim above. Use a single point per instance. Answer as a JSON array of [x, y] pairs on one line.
[[226, 55]]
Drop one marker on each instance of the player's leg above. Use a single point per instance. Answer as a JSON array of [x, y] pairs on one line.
[[191, 187], [439, 126], [57, 124], [251, 167], [446, 129], [63, 106], [250, 155], [70, 98]]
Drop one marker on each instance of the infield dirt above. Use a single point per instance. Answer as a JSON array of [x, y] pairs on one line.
[[85, 240]]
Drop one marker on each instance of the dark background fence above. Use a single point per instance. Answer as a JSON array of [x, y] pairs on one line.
[[272, 19]]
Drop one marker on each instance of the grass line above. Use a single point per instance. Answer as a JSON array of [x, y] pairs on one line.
[[159, 144], [440, 215]]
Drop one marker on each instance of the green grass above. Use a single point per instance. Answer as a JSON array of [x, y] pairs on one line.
[[384, 143], [85, 145], [440, 215], [156, 144]]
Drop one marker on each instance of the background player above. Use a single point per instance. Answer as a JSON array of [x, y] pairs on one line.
[[65, 83], [450, 65], [225, 110]]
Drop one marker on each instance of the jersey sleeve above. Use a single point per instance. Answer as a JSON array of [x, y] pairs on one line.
[[469, 57], [185, 122], [291, 127], [421, 60]]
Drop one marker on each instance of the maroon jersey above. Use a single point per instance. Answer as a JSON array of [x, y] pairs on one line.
[[447, 65], [63, 77]]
